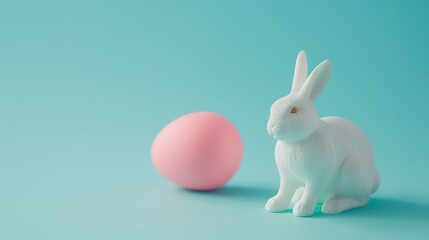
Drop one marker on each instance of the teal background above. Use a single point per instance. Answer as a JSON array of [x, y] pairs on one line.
[[86, 85]]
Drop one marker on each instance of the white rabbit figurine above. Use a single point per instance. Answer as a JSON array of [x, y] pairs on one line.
[[325, 159]]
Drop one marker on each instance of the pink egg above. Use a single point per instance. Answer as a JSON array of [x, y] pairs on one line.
[[198, 151]]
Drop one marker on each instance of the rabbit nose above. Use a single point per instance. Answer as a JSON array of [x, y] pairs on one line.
[[270, 131], [270, 128]]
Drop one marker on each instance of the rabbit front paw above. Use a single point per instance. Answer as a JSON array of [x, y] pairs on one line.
[[302, 209], [276, 204]]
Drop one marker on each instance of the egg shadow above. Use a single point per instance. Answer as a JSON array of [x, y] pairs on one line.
[[246, 193]]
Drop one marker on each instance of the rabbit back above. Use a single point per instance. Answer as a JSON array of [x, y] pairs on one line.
[[357, 176]]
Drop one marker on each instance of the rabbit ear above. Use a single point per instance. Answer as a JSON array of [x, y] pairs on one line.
[[300, 72], [317, 80]]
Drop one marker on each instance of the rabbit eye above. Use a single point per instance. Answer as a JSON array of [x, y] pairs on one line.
[[294, 109]]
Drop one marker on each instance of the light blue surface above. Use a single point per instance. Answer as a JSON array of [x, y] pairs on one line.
[[85, 87]]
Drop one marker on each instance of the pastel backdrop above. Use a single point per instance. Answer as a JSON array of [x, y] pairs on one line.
[[85, 86]]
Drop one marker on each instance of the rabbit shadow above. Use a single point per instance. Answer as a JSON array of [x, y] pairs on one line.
[[386, 209]]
